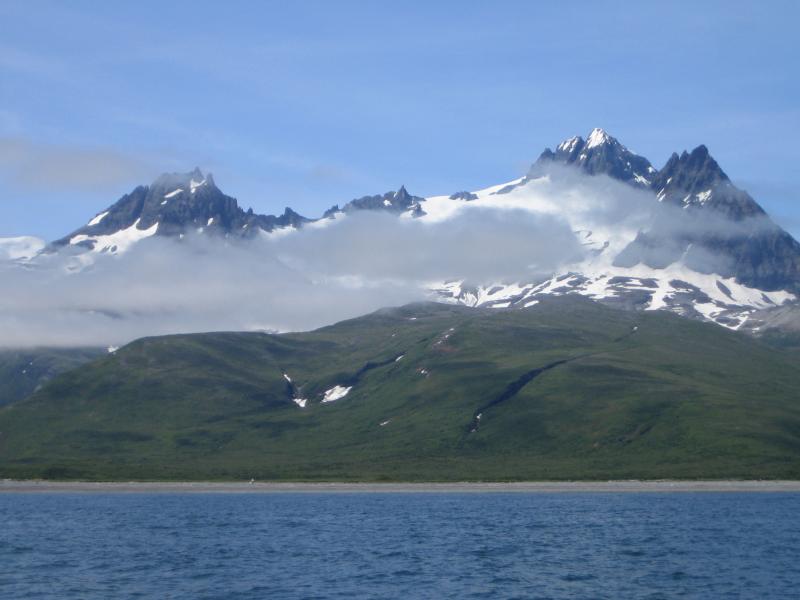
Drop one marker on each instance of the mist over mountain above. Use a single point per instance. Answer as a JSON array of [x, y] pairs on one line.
[[590, 218]]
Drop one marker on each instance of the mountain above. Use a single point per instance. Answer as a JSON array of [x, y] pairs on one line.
[[177, 204], [567, 389], [173, 205], [711, 252], [399, 202], [688, 240], [598, 154]]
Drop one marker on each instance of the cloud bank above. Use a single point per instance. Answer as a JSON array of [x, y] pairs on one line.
[[297, 281], [337, 269]]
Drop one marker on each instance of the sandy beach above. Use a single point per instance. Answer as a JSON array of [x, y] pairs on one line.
[[13, 486]]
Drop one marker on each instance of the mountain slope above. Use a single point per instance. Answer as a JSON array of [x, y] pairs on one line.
[[566, 389], [22, 372]]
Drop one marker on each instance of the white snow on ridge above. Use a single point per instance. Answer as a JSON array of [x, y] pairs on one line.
[[598, 137], [673, 288], [568, 145], [193, 185], [337, 392], [97, 219], [301, 402], [172, 193], [117, 242]]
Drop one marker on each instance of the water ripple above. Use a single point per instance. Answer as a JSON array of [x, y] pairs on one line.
[[399, 545]]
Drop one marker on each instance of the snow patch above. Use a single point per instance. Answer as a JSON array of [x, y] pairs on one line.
[[117, 242], [172, 194], [337, 392], [97, 219], [703, 197]]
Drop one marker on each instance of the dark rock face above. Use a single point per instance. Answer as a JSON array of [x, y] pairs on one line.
[[396, 203], [695, 180], [392, 202], [726, 223], [464, 196]]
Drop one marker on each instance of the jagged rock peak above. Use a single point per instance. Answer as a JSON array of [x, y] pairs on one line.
[[289, 213], [690, 173], [599, 153]]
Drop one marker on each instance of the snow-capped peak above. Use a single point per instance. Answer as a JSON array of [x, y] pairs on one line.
[[598, 137]]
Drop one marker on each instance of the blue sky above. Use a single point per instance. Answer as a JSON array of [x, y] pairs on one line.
[[313, 103]]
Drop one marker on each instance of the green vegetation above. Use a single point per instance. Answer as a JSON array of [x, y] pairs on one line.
[[634, 395], [22, 372]]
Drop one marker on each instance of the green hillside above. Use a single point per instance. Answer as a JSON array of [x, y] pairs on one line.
[[23, 371], [567, 389]]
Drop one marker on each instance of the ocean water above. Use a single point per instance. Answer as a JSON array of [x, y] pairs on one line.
[[354, 545]]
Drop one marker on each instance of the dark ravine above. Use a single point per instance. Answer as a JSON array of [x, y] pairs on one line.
[[516, 386], [369, 366], [513, 388]]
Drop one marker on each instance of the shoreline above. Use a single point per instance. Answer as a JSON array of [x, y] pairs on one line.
[[206, 487]]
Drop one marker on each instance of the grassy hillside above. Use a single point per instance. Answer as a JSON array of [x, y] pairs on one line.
[[23, 371], [567, 389]]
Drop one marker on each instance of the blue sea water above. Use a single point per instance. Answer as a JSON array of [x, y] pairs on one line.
[[360, 545]]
